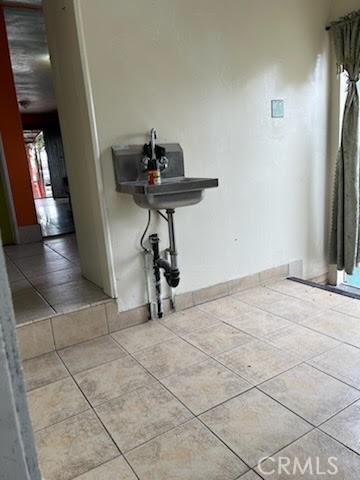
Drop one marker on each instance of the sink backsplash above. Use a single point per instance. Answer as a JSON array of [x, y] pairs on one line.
[[128, 165]]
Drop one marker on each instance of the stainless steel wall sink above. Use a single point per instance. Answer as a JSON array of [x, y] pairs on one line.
[[175, 189]]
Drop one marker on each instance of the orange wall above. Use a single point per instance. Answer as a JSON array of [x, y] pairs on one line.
[[12, 136]]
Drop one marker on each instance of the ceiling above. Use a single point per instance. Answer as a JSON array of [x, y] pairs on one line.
[[29, 56]]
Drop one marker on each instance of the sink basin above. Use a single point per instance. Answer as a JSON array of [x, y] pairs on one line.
[[173, 192], [176, 190]]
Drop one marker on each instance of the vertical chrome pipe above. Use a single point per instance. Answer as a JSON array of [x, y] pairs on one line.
[[172, 248], [154, 242]]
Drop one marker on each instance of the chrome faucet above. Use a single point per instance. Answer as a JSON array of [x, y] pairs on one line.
[[163, 161], [153, 137]]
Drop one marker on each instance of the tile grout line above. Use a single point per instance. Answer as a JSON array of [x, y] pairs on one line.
[[314, 429], [182, 403], [196, 416], [99, 419], [282, 317], [301, 362], [43, 297], [327, 309], [283, 448], [337, 413], [61, 255], [330, 374], [339, 441]]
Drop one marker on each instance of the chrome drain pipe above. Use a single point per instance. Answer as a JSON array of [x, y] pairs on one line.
[[171, 271]]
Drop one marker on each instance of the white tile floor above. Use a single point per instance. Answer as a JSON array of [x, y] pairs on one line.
[[207, 393], [45, 279]]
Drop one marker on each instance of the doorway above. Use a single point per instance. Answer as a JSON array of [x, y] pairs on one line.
[[49, 182], [30, 76]]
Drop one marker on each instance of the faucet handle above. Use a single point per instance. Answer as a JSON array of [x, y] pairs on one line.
[[163, 162], [145, 162]]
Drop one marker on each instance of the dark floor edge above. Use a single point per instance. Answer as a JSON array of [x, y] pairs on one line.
[[340, 290]]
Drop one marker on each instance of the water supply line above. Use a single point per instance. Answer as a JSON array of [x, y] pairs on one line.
[[154, 242], [171, 270]]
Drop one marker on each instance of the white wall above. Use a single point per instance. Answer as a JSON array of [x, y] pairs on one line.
[[80, 144], [340, 8], [203, 73]]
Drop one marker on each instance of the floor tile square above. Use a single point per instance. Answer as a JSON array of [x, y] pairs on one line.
[[325, 299], [217, 338], [68, 296], [188, 320], [351, 307], [188, 452], [66, 246], [55, 402], [260, 296], [91, 354], [321, 298], [205, 385], [140, 415], [48, 261], [310, 393], [315, 448], [337, 325], [108, 381], [29, 305], [142, 336], [347, 370], [13, 272], [291, 288], [254, 426], [16, 252], [117, 469], [42, 370], [257, 361], [293, 309], [258, 323], [60, 277], [345, 427], [20, 287], [301, 341], [225, 308], [73, 447], [165, 359]]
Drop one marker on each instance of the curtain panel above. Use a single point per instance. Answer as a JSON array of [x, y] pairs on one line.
[[345, 239]]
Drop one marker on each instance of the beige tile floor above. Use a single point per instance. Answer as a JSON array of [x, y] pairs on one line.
[[45, 279], [221, 391]]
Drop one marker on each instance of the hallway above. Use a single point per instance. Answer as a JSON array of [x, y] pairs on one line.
[[45, 279]]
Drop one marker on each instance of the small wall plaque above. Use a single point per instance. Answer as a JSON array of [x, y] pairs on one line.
[[277, 108]]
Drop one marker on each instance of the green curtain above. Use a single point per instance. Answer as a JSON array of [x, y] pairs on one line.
[[345, 241]]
